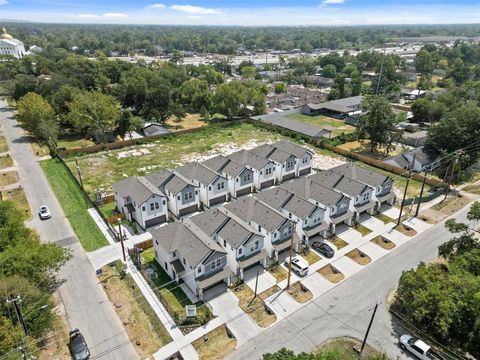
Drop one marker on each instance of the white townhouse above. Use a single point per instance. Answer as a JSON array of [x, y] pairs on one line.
[[309, 218], [263, 169], [244, 246], [182, 196], [212, 186], [276, 229], [383, 184], [304, 156], [140, 201], [285, 163], [240, 178], [360, 193], [189, 256], [336, 206]]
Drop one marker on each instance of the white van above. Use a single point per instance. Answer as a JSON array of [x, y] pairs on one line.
[[300, 267]]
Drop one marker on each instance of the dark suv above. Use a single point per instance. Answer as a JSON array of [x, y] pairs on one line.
[[77, 345], [324, 249]]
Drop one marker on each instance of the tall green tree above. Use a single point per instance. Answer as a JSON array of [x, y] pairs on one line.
[[94, 113], [377, 122], [37, 117]]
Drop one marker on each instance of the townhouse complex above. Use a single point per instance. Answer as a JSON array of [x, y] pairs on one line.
[[216, 246]]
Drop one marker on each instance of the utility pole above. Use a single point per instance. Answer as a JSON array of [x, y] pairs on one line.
[[405, 192], [256, 286], [18, 311], [368, 330], [451, 169], [291, 255], [421, 192], [121, 239], [81, 182], [381, 69]]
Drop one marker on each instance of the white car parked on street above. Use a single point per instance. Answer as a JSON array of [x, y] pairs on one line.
[[44, 212]]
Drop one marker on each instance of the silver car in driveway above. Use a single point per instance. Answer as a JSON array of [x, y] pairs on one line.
[[44, 212]]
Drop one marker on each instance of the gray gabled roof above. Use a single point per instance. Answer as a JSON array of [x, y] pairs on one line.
[[248, 158], [209, 221], [268, 151], [178, 236], [299, 207], [344, 105], [263, 150], [168, 180], [297, 126], [234, 233], [216, 163], [327, 178], [233, 169], [334, 180], [138, 188], [308, 189], [276, 197], [250, 209], [350, 187], [197, 171], [366, 176], [291, 148]]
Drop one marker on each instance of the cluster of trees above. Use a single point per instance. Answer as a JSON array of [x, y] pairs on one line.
[[443, 298], [27, 269], [285, 354], [59, 92], [152, 40]]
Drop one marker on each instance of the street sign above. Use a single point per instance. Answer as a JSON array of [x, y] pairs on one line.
[[191, 311]]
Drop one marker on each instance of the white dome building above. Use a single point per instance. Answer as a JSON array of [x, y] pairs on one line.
[[11, 46]]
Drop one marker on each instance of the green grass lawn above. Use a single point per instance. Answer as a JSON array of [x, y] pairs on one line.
[[338, 126], [107, 209], [6, 162], [101, 169], [70, 197], [171, 292], [3, 144], [71, 142]]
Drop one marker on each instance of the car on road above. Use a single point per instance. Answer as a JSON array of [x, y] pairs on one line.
[[418, 348], [44, 212], [299, 266], [78, 346], [323, 248]]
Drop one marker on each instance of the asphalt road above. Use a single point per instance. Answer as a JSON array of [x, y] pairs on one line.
[[86, 304], [344, 310]]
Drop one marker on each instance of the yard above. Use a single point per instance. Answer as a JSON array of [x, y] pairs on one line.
[[338, 242], [172, 293], [256, 308], [362, 229], [299, 293], [331, 273], [338, 126], [5, 162], [3, 144], [384, 243], [215, 344], [101, 169], [359, 257], [20, 200], [8, 178], [144, 328], [70, 197], [188, 122], [344, 346], [278, 272], [386, 219], [310, 256]]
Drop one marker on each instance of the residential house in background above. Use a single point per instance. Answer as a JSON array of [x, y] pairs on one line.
[[382, 184], [140, 201], [189, 256], [263, 169], [309, 218], [417, 159], [348, 109], [276, 229], [213, 187], [182, 196]]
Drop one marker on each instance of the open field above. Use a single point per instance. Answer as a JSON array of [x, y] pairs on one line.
[[188, 122], [101, 169], [20, 200], [8, 178], [363, 147], [70, 197], [144, 328], [217, 345], [338, 126], [5, 162], [256, 308]]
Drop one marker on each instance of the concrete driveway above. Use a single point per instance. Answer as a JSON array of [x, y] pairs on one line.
[[265, 279], [282, 304]]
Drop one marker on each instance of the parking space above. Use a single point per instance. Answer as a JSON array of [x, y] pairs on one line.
[[375, 252], [417, 224], [347, 266], [374, 224], [265, 279], [317, 284], [282, 304], [396, 237], [351, 236]]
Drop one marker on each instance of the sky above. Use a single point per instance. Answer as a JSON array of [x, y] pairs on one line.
[[245, 12]]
